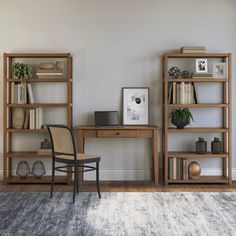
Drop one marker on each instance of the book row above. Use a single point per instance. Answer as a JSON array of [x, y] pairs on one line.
[[21, 93], [182, 93], [178, 168]]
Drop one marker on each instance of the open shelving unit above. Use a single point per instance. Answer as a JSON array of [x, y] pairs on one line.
[[9, 154], [225, 130]]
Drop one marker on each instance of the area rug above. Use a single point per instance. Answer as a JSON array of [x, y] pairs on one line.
[[126, 213]]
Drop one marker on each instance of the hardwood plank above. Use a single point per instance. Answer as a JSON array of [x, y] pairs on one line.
[[199, 80], [35, 105], [120, 186], [39, 80], [197, 55], [200, 105], [203, 179], [196, 155], [199, 130]]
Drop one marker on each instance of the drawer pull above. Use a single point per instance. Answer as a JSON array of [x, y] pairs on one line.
[[117, 133]]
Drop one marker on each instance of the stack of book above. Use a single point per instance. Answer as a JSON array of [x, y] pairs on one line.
[[49, 73], [178, 168], [200, 49], [202, 75], [44, 151], [33, 118], [182, 93]]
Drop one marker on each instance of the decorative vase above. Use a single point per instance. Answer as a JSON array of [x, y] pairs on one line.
[[194, 170], [18, 117], [201, 146], [45, 144], [180, 123], [216, 146]]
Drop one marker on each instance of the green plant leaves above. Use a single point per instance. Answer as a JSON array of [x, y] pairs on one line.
[[22, 70]]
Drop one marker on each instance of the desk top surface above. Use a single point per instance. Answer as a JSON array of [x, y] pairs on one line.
[[122, 127]]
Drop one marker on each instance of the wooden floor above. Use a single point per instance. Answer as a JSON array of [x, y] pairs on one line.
[[120, 186]]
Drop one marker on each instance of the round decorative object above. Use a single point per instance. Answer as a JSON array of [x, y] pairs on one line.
[[23, 169], [216, 146], [47, 65], [180, 123], [18, 117], [46, 144], [38, 169], [194, 170], [174, 72], [201, 146], [185, 74]]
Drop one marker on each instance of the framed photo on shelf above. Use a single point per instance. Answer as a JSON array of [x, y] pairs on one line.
[[135, 105], [201, 65], [220, 70]]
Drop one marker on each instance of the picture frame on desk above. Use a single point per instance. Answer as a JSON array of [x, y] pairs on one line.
[[135, 105], [220, 70]]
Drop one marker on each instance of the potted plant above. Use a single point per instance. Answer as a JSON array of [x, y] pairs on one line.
[[22, 71], [181, 117]]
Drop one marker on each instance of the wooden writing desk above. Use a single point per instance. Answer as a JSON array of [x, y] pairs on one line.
[[149, 132]]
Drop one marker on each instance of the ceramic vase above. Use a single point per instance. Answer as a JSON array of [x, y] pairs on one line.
[[18, 117]]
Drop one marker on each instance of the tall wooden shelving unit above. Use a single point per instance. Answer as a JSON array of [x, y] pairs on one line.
[[8, 154], [225, 129]]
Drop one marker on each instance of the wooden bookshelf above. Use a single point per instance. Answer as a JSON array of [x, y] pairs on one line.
[[225, 130], [9, 132]]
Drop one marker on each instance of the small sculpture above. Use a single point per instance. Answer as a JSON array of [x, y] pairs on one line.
[[38, 169], [23, 169], [174, 72]]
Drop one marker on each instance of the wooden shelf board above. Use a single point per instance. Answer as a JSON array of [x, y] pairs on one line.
[[201, 105], [196, 55], [202, 179], [199, 130], [27, 130], [33, 180], [26, 155], [37, 80], [38, 55], [196, 155], [198, 80], [33, 105]]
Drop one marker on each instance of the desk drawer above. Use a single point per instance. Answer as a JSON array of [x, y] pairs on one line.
[[118, 133]]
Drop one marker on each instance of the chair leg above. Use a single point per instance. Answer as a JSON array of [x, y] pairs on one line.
[[53, 177], [75, 181], [97, 178]]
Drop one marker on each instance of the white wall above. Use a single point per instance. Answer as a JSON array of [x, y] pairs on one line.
[[118, 44]]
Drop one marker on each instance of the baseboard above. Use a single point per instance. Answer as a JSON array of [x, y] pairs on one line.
[[138, 174]]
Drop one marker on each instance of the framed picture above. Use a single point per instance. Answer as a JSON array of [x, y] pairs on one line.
[[135, 106], [201, 65], [220, 70]]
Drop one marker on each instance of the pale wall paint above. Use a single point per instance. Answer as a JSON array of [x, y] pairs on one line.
[[117, 44]]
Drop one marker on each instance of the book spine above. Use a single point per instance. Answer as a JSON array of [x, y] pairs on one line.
[[32, 119], [182, 93], [174, 168], [185, 169], [170, 168], [174, 93], [30, 92]]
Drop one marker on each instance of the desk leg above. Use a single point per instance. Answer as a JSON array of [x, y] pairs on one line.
[[80, 139], [155, 155]]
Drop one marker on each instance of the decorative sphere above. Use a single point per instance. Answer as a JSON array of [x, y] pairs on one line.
[[194, 170]]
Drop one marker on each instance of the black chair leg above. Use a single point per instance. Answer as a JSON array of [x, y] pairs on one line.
[[97, 178], [53, 177], [75, 181]]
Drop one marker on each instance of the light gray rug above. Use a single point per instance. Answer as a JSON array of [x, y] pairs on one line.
[[168, 214]]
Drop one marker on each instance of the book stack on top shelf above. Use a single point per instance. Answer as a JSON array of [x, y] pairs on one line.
[[50, 70], [198, 49]]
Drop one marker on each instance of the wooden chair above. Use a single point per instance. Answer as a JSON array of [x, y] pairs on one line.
[[64, 151]]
